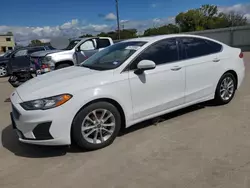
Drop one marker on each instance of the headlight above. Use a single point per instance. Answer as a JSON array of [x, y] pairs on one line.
[[46, 103]]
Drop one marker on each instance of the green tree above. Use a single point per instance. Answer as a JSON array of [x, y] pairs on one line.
[[166, 29], [35, 43], [234, 19], [208, 17], [192, 20], [86, 35], [124, 34], [9, 33]]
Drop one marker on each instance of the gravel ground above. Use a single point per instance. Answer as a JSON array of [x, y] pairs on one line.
[[199, 147]]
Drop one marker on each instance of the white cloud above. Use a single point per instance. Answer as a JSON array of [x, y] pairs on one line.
[[247, 16], [75, 27], [110, 17], [70, 24], [142, 25], [239, 8], [124, 21]]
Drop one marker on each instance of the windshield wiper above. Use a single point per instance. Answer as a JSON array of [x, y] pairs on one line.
[[89, 67]]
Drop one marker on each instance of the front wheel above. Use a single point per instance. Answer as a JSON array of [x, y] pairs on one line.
[[225, 89], [3, 71], [96, 126]]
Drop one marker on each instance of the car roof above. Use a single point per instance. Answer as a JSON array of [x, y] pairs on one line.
[[160, 37]]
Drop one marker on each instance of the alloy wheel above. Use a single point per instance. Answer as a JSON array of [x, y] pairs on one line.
[[98, 126], [227, 88], [3, 71]]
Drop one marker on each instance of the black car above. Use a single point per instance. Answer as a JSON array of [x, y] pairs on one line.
[[18, 59]]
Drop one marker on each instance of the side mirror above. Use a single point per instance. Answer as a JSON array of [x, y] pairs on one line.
[[145, 65]]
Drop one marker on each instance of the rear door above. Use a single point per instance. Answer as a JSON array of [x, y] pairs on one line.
[[200, 57]]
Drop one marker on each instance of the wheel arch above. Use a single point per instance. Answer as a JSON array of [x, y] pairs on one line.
[[235, 76], [64, 62], [109, 100]]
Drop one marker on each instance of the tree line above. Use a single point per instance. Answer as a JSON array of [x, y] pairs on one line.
[[203, 18]]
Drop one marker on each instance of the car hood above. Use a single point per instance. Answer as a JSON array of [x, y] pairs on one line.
[[3, 58], [44, 53], [66, 80]]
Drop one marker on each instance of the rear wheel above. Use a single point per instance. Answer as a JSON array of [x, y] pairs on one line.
[[225, 89], [3, 71], [96, 126]]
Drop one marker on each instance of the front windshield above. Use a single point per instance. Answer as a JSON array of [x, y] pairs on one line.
[[72, 44], [7, 53], [113, 56]]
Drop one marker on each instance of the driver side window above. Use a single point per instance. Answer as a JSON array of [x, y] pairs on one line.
[[162, 52], [87, 45], [20, 53]]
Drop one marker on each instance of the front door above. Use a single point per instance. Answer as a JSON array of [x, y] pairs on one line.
[[85, 50], [162, 88], [20, 59]]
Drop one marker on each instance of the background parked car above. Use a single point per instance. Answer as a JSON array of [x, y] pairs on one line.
[[17, 59], [77, 51]]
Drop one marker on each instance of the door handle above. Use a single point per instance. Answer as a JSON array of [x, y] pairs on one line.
[[216, 60], [175, 68]]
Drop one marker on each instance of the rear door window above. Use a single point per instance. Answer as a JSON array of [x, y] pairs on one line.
[[103, 43], [30, 51], [196, 47]]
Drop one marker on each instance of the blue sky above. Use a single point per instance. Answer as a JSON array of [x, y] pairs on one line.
[[33, 19], [56, 12]]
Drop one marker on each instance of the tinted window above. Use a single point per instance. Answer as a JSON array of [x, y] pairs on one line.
[[195, 47], [215, 47], [20, 53], [30, 51], [161, 52], [102, 43]]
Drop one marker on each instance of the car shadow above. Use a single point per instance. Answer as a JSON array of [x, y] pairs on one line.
[[165, 117], [11, 143]]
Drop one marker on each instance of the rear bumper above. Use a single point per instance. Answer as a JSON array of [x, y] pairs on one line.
[[241, 77]]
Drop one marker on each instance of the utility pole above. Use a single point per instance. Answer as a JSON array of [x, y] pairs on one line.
[[118, 20]]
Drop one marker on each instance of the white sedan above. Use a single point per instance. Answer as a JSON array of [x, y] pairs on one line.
[[122, 85]]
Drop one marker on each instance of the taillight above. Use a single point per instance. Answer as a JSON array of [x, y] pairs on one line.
[[45, 66], [241, 55]]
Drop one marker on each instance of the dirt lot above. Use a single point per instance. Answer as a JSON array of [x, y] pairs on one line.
[[199, 147]]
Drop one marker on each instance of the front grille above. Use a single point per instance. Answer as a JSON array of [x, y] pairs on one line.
[[15, 112]]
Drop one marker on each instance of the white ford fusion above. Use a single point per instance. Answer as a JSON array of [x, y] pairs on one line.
[[124, 84]]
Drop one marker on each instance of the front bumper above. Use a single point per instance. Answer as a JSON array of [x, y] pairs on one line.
[[41, 127]]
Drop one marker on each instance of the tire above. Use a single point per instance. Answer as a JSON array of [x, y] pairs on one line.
[[3, 71], [219, 99], [62, 65], [102, 133]]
